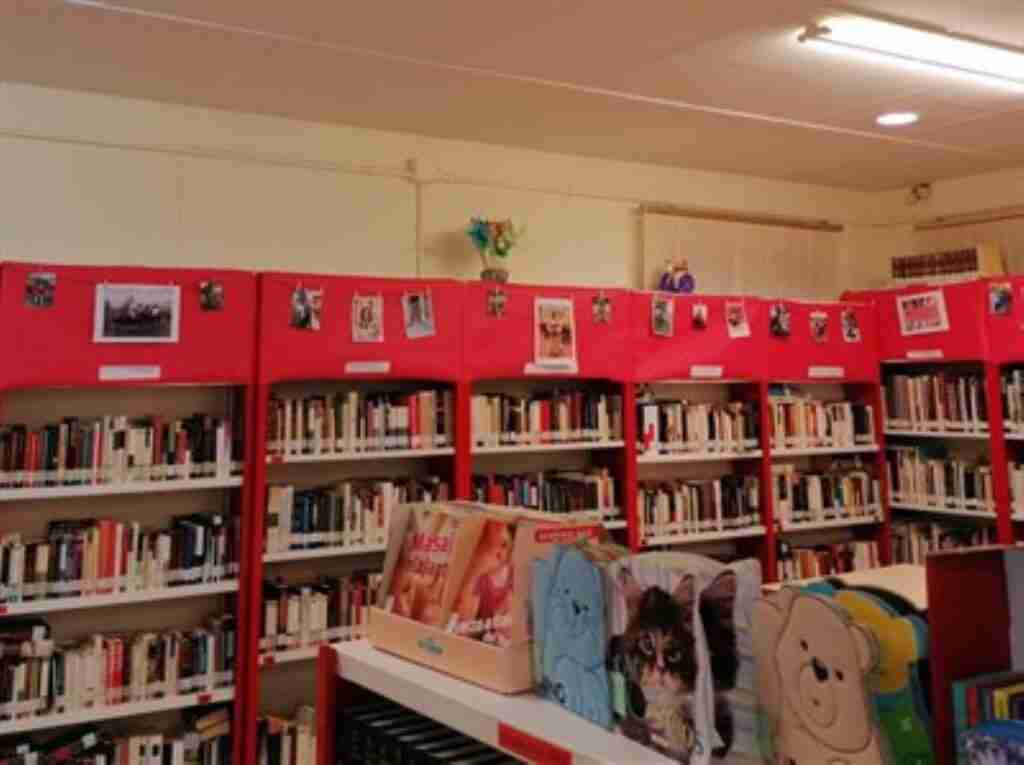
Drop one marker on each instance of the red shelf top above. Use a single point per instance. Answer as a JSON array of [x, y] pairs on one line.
[[289, 353], [54, 345], [499, 348]]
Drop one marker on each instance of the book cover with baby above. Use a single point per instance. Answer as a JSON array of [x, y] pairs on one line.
[[421, 572], [483, 607]]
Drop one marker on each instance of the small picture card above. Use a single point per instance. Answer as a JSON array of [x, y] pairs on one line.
[[601, 308], [211, 296], [307, 306], [496, 302], [663, 316], [137, 313], [780, 320], [367, 319], [699, 316], [736, 319], [40, 289], [1000, 299], [819, 326], [851, 326], [554, 331], [418, 314], [922, 313]]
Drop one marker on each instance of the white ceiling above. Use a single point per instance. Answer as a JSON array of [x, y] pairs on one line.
[[712, 84]]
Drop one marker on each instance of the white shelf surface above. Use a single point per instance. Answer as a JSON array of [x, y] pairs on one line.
[[111, 489], [979, 436], [815, 450], [115, 711], [837, 523], [906, 579], [704, 536], [387, 454], [322, 552], [477, 712], [984, 515], [657, 459], [53, 605], [569, 446]]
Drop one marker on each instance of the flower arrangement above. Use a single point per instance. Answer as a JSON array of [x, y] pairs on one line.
[[493, 240]]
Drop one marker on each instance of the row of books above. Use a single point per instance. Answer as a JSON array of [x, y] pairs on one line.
[[118, 449], [795, 563], [104, 556], [681, 507], [304, 614], [911, 542], [552, 491], [938, 401], [801, 422], [352, 422], [670, 426], [39, 676], [287, 741], [204, 740], [544, 418], [981, 699], [840, 492], [345, 514], [384, 733], [916, 478], [1013, 400]]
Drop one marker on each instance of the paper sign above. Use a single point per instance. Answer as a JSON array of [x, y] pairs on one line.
[[367, 367], [705, 372], [819, 372], [552, 368], [934, 353], [129, 372]]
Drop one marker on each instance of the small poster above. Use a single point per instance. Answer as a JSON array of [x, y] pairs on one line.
[[554, 331], [736, 319], [851, 327], [699, 316], [819, 326], [137, 313], [1000, 299], [922, 313], [307, 305], [780, 320], [418, 314], [663, 316], [601, 307], [367, 319], [496, 302], [40, 289], [211, 296]]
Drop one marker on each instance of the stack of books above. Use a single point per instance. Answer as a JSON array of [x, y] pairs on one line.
[[104, 556], [678, 508], [345, 514], [549, 418], [354, 422], [939, 482], [682, 427], [117, 449], [552, 491], [843, 491], [943, 401]]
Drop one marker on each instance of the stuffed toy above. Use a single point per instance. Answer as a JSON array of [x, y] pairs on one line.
[[814, 665], [568, 610]]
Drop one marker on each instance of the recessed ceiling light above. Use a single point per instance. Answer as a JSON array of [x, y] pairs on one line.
[[896, 119]]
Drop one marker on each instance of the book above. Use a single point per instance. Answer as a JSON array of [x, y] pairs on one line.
[[940, 401], [483, 607], [681, 507], [420, 576], [678, 426], [543, 418]]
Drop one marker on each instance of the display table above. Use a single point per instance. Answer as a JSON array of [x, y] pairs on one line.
[[906, 580], [523, 725]]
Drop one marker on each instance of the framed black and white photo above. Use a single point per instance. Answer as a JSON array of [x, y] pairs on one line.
[[137, 313], [663, 316], [211, 296], [307, 305], [780, 320], [40, 288], [418, 314]]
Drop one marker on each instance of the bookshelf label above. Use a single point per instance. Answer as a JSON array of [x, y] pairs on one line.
[[705, 372], [129, 372], [367, 367], [931, 353], [552, 368], [818, 372], [531, 748]]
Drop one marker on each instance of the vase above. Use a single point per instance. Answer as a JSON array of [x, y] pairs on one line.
[[499, 275]]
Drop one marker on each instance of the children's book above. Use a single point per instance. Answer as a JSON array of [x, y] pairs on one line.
[[483, 607], [420, 574]]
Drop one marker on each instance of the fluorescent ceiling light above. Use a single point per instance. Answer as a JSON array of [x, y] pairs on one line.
[[896, 119], [945, 52]]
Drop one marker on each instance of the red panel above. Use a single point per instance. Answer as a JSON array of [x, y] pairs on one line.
[[290, 353], [500, 348], [673, 358], [54, 346], [1006, 331], [530, 748], [800, 357], [965, 340]]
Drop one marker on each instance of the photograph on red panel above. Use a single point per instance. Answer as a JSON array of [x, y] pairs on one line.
[[137, 313], [663, 316], [554, 331], [819, 326], [922, 313], [40, 289], [367, 319], [850, 326], [736, 319], [1000, 299], [418, 314], [211, 296], [307, 305], [780, 320], [699, 316]]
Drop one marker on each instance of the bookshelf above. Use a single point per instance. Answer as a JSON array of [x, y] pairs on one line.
[[295, 365], [70, 464]]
